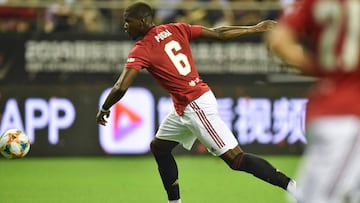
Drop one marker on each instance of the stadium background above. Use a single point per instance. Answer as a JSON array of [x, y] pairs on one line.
[[58, 61]]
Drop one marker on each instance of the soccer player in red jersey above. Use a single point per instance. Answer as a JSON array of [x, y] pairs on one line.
[[331, 168], [164, 51]]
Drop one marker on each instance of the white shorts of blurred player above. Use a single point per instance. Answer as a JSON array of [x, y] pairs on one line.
[[330, 170], [200, 121]]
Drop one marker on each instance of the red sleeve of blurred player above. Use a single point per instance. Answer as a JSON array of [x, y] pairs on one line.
[[298, 17]]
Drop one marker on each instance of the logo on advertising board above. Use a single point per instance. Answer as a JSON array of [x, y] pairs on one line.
[[130, 127]]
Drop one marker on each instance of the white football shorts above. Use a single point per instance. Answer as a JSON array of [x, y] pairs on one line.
[[200, 121], [330, 170]]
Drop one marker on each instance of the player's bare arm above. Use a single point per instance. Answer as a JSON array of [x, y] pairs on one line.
[[124, 81], [283, 43], [232, 32]]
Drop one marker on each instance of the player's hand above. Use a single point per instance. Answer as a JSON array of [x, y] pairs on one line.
[[100, 117], [266, 25]]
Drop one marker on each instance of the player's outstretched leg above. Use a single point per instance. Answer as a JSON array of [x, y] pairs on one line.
[[161, 149], [260, 168]]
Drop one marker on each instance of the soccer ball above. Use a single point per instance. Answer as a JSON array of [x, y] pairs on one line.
[[14, 144]]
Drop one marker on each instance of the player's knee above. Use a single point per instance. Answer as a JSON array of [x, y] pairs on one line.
[[235, 163], [162, 147], [233, 158], [158, 147], [155, 149]]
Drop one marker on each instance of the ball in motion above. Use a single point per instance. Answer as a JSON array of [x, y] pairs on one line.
[[14, 144]]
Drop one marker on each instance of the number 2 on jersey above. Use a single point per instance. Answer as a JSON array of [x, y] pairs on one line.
[[179, 60], [333, 14]]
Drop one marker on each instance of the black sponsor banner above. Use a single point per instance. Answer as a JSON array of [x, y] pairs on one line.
[[60, 118], [65, 57], [52, 85], [108, 56]]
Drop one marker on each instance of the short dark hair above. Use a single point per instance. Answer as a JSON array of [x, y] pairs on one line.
[[139, 10]]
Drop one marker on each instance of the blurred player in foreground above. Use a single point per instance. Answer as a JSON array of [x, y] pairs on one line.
[[164, 51], [331, 168]]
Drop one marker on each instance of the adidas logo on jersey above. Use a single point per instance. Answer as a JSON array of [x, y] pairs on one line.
[[129, 60], [162, 35]]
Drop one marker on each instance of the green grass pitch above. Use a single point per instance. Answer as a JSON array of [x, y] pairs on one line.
[[203, 179]]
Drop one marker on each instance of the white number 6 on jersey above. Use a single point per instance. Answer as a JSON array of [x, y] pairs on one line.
[[179, 60]]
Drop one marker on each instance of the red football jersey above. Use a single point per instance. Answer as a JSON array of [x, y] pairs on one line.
[[332, 30], [165, 53]]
